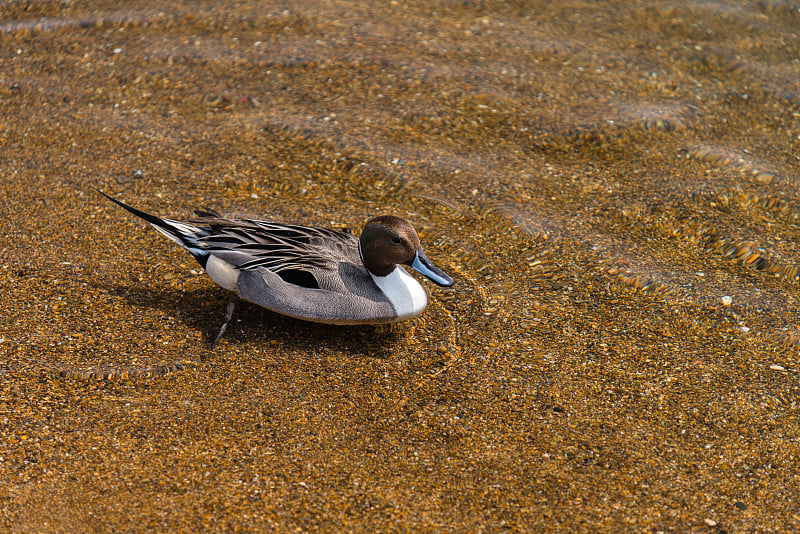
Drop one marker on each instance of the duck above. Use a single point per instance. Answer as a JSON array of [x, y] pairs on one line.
[[306, 272]]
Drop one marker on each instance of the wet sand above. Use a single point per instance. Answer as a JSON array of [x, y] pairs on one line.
[[613, 187]]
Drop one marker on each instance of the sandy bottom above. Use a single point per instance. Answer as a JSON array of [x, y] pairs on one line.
[[613, 186]]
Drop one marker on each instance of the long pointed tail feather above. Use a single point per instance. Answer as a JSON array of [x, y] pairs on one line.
[[182, 233]]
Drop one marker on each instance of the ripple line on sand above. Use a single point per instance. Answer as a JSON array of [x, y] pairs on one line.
[[98, 20], [124, 373], [759, 172], [748, 255], [623, 124]]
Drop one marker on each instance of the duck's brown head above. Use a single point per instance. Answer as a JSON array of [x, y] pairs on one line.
[[388, 241]]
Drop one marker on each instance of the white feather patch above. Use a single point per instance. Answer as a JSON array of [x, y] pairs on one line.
[[223, 273], [407, 297]]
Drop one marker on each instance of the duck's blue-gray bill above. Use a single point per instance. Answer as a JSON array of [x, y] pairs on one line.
[[422, 264]]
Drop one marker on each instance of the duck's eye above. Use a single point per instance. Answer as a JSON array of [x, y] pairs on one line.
[[396, 240]]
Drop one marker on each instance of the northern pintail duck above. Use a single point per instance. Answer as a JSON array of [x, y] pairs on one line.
[[309, 273]]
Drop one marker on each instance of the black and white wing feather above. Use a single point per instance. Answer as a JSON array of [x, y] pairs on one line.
[[250, 244]]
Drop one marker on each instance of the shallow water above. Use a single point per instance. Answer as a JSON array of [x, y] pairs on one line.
[[613, 186]]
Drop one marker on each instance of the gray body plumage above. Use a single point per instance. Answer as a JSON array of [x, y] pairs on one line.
[[262, 251], [365, 304], [310, 273]]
